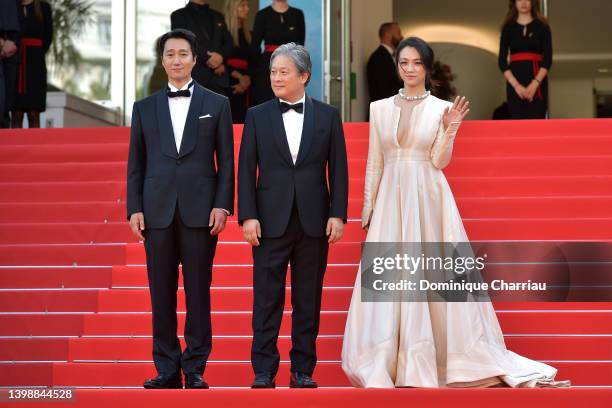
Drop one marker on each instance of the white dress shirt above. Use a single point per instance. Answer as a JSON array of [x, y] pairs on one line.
[[294, 123], [179, 107]]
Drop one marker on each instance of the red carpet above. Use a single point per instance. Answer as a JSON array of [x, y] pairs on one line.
[[334, 397], [74, 303]]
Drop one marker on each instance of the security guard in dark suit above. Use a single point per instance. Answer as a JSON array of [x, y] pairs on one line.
[[214, 43]]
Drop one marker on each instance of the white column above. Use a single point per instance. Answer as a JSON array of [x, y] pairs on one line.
[[366, 18], [118, 53], [130, 59]]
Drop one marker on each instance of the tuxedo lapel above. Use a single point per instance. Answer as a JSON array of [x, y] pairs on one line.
[[164, 124], [307, 131], [278, 130], [190, 134]]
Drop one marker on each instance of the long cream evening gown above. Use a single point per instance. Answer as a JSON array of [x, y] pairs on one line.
[[407, 199]]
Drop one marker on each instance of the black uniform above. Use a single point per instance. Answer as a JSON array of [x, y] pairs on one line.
[[273, 29], [240, 60], [210, 28], [32, 72], [534, 38], [383, 80]]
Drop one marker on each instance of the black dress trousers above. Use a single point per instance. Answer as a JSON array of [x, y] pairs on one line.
[[308, 258], [194, 248]]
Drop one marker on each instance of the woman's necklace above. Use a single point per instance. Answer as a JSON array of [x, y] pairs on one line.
[[413, 98], [525, 27]]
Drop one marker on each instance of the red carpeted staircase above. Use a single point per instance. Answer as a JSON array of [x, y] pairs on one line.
[[74, 303]]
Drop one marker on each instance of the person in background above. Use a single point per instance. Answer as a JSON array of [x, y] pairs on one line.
[[37, 31], [239, 60], [526, 37], [383, 81], [274, 25], [215, 43], [10, 38]]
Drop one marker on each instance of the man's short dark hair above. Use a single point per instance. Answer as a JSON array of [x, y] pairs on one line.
[[187, 35], [385, 28]]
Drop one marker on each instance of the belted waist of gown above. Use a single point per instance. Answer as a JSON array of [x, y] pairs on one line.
[[238, 63], [406, 156], [22, 83], [526, 56]]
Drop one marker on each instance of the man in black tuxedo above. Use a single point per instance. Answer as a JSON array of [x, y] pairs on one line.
[[288, 213], [175, 187], [214, 41], [383, 80]]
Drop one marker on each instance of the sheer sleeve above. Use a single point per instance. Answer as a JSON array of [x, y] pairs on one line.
[[442, 148], [374, 169]]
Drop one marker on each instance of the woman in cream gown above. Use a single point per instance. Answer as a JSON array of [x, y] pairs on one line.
[[407, 199]]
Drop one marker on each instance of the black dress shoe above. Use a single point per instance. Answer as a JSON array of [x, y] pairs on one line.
[[263, 380], [164, 381], [194, 380], [301, 380]]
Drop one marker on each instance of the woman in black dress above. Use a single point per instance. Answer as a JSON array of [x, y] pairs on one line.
[[239, 61], [275, 25], [526, 38], [37, 29]]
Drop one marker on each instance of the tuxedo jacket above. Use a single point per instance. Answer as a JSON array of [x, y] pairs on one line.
[[383, 80], [11, 21], [318, 181], [220, 41], [159, 177]]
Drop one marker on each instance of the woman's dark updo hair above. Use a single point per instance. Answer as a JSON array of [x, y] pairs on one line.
[[425, 52]]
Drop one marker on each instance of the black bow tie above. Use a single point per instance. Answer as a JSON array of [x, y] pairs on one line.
[[184, 92], [285, 107]]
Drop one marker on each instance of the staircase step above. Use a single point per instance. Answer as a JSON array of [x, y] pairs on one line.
[[469, 207], [135, 276], [62, 212], [124, 349], [574, 320], [63, 255], [466, 146], [222, 299], [543, 165], [35, 137], [333, 397], [479, 229], [462, 187], [56, 277], [227, 374]]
